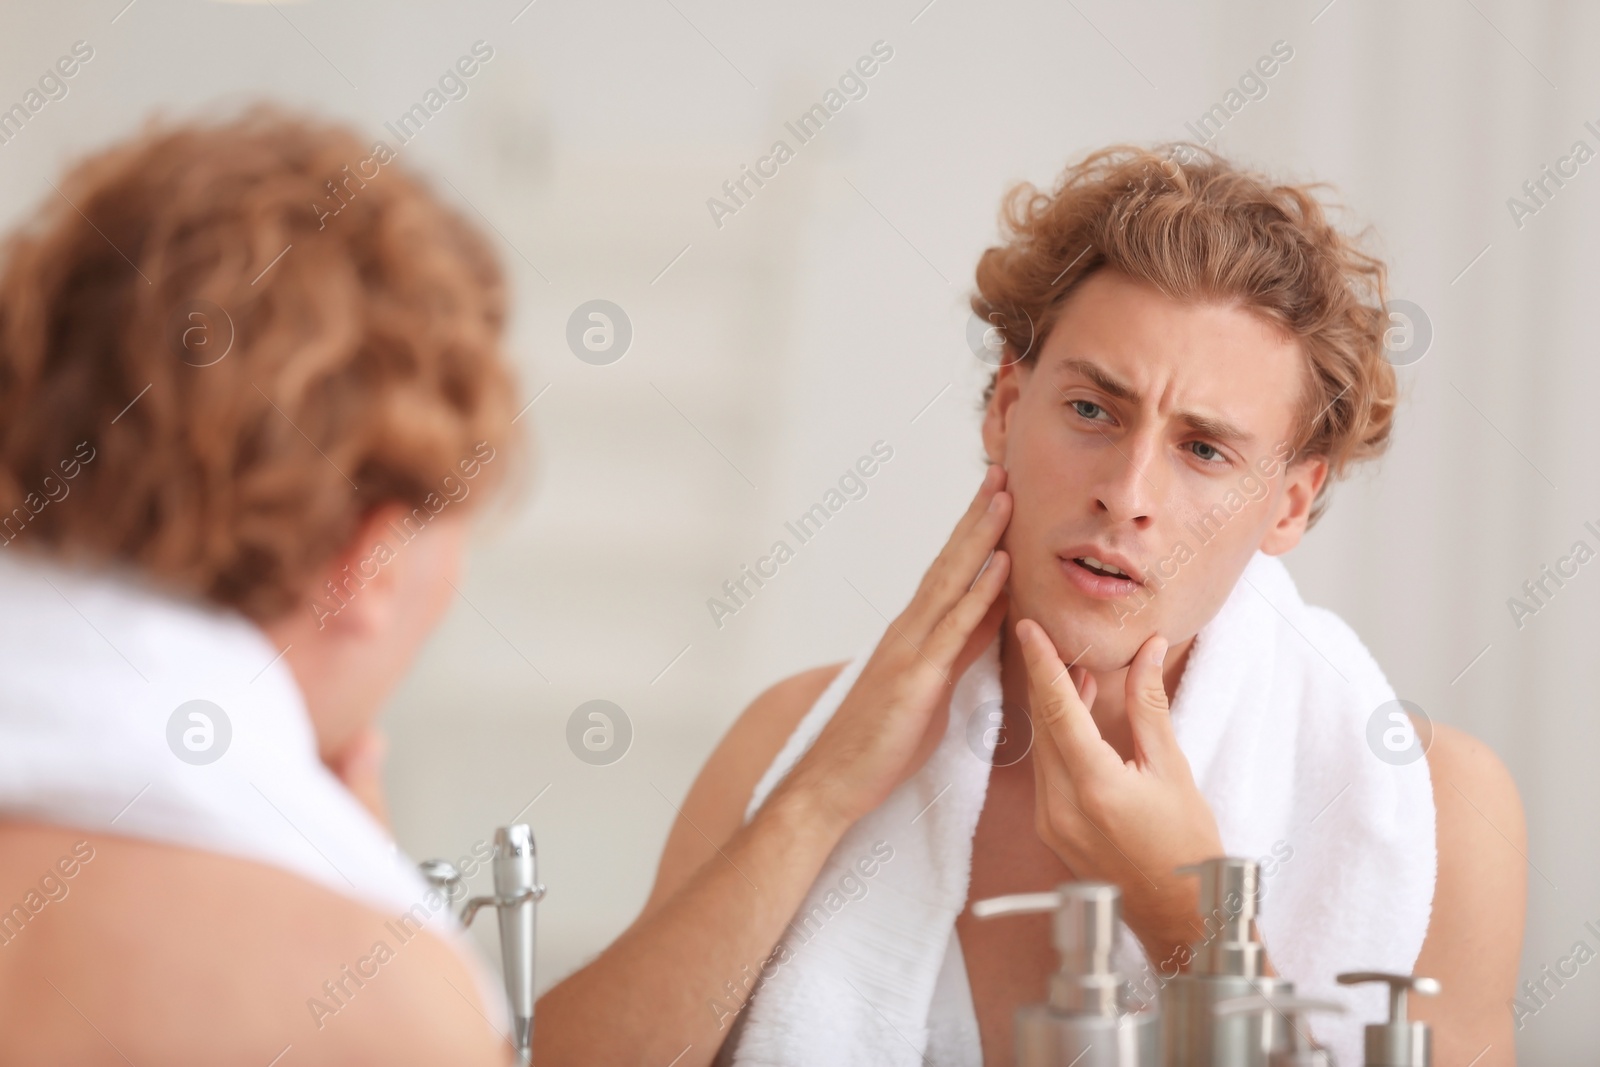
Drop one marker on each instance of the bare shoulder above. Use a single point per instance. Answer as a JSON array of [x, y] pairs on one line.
[[151, 953], [1470, 779], [1474, 939], [714, 808]]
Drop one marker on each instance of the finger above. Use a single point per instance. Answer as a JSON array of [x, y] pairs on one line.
[[962, 557], [957, 635], [1087, 687], [957, 568], [360, 768], [362, 755], [952, 571], [1057, 708], [1049, 769], [1055, 794], [994, 480], [983, 635], [1149, 714], [955, 640]]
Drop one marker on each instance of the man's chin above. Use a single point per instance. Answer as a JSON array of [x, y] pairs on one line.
[[1087, 642]]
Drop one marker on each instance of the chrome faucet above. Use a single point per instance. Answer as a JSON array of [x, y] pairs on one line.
[[517, 893]]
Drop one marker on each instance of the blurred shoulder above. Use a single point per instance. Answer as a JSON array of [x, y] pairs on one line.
[[1480, 897], [1469, 777], [142, 934]]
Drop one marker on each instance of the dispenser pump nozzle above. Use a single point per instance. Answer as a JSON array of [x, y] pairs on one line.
[[1086, 916], [1091, 1006], [1230, 900], [1398, 1042]]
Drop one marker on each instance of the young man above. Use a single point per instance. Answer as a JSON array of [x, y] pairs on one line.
[[251, 389], [1191, 355]]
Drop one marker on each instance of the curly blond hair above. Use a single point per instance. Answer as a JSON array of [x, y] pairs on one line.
[[1199, 228], [354, 324]]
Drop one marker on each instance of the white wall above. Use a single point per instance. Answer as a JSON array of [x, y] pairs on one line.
[[827, 313]]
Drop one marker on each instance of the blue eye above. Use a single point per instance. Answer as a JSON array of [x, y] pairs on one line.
[[1079, 405], [1216, 455]]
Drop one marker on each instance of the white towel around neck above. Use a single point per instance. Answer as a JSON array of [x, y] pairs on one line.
[[95, 662], [1272, 713]]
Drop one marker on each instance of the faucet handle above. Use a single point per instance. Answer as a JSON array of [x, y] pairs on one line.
[[441, 874], [1398, 1042]]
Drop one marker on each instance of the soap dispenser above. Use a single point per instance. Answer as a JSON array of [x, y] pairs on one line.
[[1227, 962], [1398, 1042], [1091, 1018], [1303, 1050]]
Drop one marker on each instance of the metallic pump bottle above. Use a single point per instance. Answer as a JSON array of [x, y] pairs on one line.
[[1303, 1051], [1398, 1042], [1228, 962], [1091, 1018]]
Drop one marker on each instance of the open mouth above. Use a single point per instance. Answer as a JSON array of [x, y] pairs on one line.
[[1104, 570]]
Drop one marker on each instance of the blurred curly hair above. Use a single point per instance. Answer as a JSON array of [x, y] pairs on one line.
[[1199, 228], [365, 361]]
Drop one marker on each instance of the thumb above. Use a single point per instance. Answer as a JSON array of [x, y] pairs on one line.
[[1149, 714]]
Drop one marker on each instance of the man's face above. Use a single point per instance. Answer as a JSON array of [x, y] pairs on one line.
[[1153, 435]]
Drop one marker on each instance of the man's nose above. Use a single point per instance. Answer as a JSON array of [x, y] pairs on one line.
[[1128, 489]]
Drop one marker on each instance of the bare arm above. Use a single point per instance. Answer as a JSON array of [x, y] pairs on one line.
[[660, 991], [1480, 903], [668, 989], [698, 905]]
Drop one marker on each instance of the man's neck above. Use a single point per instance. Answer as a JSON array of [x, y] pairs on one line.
[[1111, 694]]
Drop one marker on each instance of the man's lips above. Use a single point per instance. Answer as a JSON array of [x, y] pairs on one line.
[[1103, 561], [1095, 583]]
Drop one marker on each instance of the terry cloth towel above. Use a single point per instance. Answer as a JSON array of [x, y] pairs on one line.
[[1272, 713], [95, 667]]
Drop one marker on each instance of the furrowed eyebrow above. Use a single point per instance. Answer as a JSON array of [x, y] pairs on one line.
[[1209, 425]]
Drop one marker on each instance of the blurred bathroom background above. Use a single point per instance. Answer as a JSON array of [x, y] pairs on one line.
[[775, 344]]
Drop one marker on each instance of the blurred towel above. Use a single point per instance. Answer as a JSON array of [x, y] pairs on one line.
[[1272, 712], [96, 664]]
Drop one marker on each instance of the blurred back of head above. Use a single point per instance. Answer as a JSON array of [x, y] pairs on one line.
[[224, 344]]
